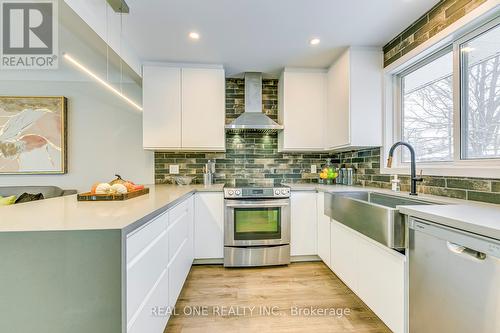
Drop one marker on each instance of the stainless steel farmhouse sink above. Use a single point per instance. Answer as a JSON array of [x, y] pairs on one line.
[[373, 214]]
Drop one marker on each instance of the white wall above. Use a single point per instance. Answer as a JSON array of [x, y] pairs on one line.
[[104, 136], [104, 132]]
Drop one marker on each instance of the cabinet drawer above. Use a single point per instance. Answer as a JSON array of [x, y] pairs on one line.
[[157, 300], [144, 270], [177, 233], [141, 238], [178, 211], [178, 270]]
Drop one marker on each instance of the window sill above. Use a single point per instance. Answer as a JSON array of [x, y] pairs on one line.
[[469, 171]]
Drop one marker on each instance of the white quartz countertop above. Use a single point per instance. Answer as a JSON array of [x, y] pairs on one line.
[[66, 213], [471, 216], [481, 220]]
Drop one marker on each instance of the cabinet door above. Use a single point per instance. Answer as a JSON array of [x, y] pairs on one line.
[[366, 96], [303, 240], [303, 110], [209, 225], [381, 283], [323, 230], [178, 270], [344, 254], [203, 109], [338, 124], [157, 302], [162, 107]]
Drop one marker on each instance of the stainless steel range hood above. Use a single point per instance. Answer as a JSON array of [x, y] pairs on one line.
[[253, 119]]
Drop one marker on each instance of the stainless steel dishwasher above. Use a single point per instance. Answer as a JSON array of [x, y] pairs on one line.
[[454, 280]]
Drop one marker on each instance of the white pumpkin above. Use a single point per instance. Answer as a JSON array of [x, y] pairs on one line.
[[118, 188], [103, 188]]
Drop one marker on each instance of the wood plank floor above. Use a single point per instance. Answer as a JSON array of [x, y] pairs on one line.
[[276, 294]]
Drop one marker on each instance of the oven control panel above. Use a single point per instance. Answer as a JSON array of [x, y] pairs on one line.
[[276, 192]]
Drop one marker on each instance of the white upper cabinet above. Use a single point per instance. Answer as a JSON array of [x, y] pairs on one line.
[[203, 108], [302, 106], [161, 119], [354, 100], [184, 108]]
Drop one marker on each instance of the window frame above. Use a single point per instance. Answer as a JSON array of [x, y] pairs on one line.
[[393, 114], [461, 72], [399, 108]]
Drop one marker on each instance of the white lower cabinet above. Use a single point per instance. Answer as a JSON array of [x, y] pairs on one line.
[[324, 225], [178, 270], [375, 273], [344, 258], [209, 225], [159, 257], [303, 238], [145, 321]]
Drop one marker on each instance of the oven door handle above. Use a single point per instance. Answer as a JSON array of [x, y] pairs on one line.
[[257, 205]]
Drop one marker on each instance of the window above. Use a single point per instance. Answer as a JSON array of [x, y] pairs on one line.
[[480, 65], [449, 103], [427, 109]]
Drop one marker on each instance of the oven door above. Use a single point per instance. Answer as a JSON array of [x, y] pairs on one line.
[[254, 222]]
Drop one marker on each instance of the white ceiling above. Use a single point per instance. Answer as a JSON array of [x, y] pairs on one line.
[[263, 35]]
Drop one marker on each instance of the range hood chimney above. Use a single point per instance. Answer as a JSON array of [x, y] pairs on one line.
[[253, 119]]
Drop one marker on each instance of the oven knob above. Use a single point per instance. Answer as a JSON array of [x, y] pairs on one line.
[[283, 191], [230, 192], [237, 192], [277, 192]]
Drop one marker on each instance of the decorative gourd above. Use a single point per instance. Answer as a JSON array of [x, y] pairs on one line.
[[118, 188], [103, 188]]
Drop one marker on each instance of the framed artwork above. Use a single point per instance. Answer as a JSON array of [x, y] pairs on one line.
[[33, 135]]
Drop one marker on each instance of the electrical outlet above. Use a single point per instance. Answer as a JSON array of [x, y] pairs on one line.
[[173, 169], [314, 169]]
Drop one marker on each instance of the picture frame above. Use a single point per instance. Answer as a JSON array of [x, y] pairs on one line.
[[33, 135]]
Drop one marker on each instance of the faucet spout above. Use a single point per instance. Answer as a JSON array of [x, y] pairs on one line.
[[413, 169]]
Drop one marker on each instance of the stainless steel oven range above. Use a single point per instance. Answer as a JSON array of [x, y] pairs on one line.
[[256, 226]]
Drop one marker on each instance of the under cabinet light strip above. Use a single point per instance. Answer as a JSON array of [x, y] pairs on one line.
[[101, 81]]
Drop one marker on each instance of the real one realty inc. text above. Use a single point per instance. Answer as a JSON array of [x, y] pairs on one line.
[[225, 311]]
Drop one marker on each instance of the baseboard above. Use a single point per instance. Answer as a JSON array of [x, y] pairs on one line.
[[305, 258], [220, 261], [209, 261]]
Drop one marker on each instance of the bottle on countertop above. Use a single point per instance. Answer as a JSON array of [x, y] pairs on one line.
[[350, 176], [396, 183]]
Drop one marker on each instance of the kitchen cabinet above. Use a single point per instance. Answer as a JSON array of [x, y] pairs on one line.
[[303, 233], [161, 119], [381, 282], [323, 238], [159, 256], [354, 100], [302, 107], [375, 273], [344, 258], [184, 108], [209, 225], [147, 253], [180, 248], [203, 109]]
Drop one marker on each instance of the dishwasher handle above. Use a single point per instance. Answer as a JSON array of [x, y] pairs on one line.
[[463, 250]]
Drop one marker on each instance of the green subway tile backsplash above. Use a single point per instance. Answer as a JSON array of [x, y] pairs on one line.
[[254, 158], [250, 157], [442, 15], [368, 174]]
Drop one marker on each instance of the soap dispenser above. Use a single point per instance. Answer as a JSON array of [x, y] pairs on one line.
[[396, 183]]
